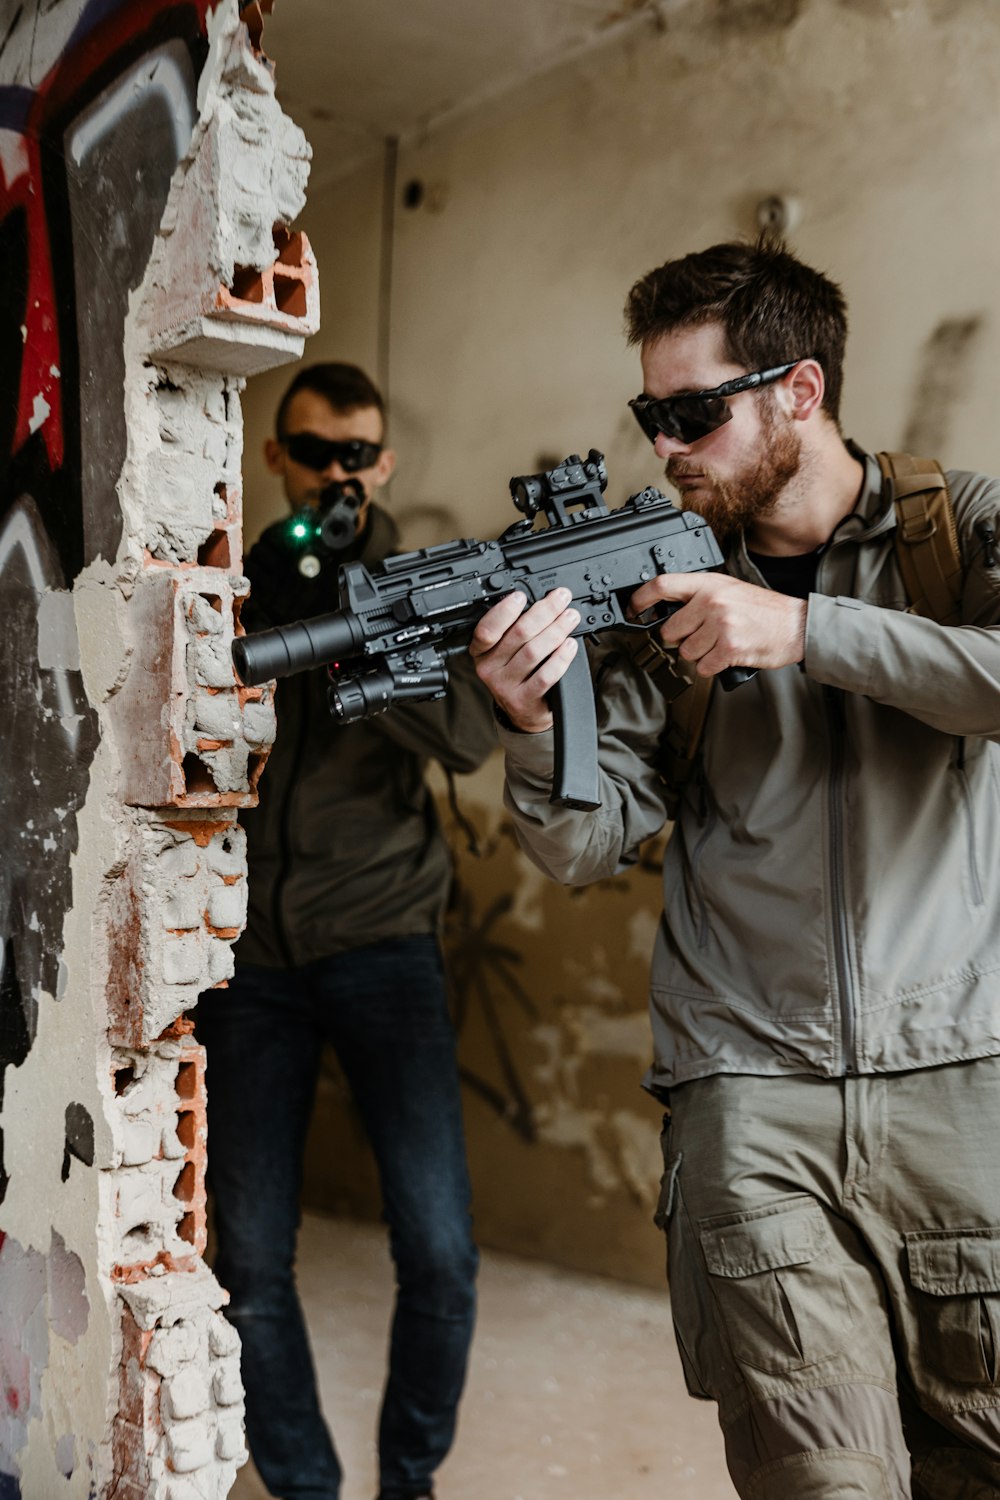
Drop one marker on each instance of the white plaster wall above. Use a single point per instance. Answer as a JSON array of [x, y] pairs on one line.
[[507, 349], [506, 315]]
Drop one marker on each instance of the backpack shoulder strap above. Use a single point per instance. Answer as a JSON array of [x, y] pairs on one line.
[[927, 548]]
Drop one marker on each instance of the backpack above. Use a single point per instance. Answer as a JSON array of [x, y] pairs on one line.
[[930, 562]]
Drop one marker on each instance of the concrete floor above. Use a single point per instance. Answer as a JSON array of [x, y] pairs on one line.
[[574, 1391]]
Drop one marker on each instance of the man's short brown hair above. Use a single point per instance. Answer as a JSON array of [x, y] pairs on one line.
[[346, 387], [772, 308]]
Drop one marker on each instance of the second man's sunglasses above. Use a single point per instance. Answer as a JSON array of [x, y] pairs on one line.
[[693, 416], [318, 453]]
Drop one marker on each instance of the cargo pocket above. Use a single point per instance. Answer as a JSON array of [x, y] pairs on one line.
[[703, 1359], [957, 1276], [779, 1284]]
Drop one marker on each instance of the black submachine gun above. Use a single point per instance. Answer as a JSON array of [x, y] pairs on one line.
[[399, 622]]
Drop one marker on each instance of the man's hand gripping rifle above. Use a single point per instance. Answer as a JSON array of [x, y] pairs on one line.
[[399, 622]]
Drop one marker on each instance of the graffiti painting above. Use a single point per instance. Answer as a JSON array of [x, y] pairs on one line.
[[97, 106]]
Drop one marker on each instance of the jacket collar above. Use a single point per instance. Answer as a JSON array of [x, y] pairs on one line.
[[874, 512]]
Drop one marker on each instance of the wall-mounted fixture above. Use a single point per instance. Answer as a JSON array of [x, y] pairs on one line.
[[778, 213]]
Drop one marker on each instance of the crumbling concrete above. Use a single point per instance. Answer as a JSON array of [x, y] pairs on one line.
[[122, 1375]]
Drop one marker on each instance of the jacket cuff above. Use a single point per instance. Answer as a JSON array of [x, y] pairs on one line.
[[532, 754], [842, 642]]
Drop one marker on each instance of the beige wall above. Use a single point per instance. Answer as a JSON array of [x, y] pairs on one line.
[[506, 349]]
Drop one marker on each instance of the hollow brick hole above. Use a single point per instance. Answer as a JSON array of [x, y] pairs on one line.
[[187, 1081], [124, 1078], [248, 284], [187, 1229], [290, 296], [215, 552], [184, 1186], [288, 246], [198, 778], [186, 1127]]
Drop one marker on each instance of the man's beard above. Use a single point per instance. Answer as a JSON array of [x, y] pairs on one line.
[[731, 506]]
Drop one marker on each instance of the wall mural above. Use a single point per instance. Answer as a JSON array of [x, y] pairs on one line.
[[87, 148], [86, 159], [97, 106], [148, 182]]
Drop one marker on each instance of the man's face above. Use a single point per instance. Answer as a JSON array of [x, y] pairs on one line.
[[734, 475], [310, 412]]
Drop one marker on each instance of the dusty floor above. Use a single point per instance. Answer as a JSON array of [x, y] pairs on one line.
[[574, 1391]]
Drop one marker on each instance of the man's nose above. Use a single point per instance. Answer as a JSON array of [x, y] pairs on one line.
[[669, 447], [334, 473]]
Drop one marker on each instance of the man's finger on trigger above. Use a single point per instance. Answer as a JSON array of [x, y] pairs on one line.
[[676, 587]]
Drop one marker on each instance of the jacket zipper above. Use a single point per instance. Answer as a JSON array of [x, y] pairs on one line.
[[707, 813], [841, 955], [301, 685], [970, 823]]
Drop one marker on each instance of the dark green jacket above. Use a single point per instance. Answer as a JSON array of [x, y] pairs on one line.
[[345, 848]]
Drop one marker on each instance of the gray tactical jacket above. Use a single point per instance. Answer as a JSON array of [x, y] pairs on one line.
[[832, 885]]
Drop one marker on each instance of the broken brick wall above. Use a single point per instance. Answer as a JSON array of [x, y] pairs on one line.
[[149, 185]]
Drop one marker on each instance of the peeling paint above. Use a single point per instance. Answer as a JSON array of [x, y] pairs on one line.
[[944, 374], [40, 412], [79, 1138], [69, 1309]]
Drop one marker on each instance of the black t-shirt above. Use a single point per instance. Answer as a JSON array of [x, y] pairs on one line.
[[789, 575]]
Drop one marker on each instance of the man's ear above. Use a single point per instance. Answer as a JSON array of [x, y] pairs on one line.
[[274, 456], [385, 467], [806, 386]]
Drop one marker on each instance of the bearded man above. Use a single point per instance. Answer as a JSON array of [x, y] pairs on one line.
[[825, 979]]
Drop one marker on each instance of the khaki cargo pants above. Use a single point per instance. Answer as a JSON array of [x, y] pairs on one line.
[[834, 1264]]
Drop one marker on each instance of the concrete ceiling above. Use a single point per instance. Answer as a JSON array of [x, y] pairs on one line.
[[353, 72]]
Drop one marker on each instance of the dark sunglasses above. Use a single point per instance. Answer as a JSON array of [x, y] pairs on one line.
[[694, 416], [318, 453]]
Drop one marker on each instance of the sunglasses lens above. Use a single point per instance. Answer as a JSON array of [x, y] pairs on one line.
[[357, 455], [319, 453], [309, 450], [686, 418], [697, 416], [644, 418]]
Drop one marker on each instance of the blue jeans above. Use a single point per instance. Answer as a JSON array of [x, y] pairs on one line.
[[383, 1009]]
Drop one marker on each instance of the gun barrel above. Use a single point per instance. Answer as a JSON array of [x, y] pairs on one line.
[[296, 648]]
